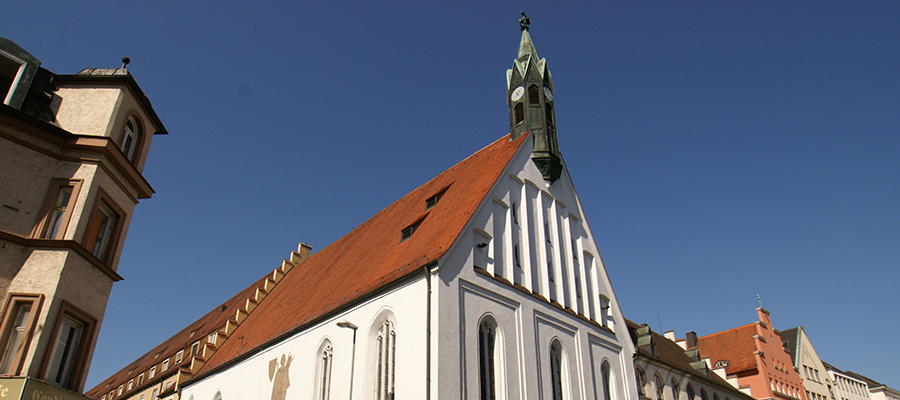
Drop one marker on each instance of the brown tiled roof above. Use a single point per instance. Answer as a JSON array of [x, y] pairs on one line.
[[202, 327], [736, 346], [372, 255]]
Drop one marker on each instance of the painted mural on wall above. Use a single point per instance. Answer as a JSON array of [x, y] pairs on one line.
[[278, 374]]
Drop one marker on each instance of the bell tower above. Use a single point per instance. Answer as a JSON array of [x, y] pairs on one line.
[[529, 93]]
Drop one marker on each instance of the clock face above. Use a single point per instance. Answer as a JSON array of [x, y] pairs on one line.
[[517, 94], [548, 94]]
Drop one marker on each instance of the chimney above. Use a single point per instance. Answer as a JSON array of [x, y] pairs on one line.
[[691, 338]]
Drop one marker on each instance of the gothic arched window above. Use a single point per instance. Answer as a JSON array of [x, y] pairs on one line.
[[659, 387], [130, 137], [556, 370], [385, 349], [487, 377], [607, 384], [323, 370]]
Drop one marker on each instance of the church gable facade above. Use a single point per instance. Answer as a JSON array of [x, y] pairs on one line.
[[483, 283]]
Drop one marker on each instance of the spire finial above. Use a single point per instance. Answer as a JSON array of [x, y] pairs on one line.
[[524, 22]]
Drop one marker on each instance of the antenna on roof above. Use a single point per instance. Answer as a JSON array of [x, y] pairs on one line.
[[125, 61], [659, 321]]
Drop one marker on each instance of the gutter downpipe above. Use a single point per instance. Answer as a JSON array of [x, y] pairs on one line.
[[427, 272], [346, 324]]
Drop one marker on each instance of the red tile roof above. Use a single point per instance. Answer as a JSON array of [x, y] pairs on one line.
[[372, 255], [734, 345], [203, 326]]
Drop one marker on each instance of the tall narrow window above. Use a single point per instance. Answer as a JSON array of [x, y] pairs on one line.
[[325, 361], [152, 372], [659, 387], [386, 347], [690, 392], [675, 390], [556, 370], [641, 381], [130, 137], [71, 338], [607, 380], [487, 375], [18, 325]]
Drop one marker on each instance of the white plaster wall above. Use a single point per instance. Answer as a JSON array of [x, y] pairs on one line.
[[248, 379], [88, 110], [529, 323]]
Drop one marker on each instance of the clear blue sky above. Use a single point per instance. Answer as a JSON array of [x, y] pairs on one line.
[[721, 149]]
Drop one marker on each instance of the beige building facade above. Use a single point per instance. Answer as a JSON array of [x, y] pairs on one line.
[[72, 149]]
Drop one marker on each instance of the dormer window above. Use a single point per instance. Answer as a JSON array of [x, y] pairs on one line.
[[432, 201], [409, 230], [130, 138]]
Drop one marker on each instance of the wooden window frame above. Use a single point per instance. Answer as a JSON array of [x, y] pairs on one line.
[[93, 227], [43, 224], [79, 365], [13, 301]]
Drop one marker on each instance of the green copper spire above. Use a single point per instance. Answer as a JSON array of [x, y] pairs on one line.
[[529, 91]]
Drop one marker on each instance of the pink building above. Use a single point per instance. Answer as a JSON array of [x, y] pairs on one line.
[[755, 356]]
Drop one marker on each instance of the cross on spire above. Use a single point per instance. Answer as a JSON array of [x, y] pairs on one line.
[[524, 22]]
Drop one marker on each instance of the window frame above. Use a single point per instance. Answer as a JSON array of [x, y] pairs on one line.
[[556, 375], [487, 359], [93, 228], [44, 223], [133, 152], [79, 363], [13, 303]]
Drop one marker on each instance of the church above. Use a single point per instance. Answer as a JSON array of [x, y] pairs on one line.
[[483, 283]]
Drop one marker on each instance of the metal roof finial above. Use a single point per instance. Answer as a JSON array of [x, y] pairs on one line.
[[125, 61], [524, 22]]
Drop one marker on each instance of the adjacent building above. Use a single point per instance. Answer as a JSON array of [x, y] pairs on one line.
[[755, 357], [816, 381], [666, 371], [877, 390], [847, 386], [72, 149]]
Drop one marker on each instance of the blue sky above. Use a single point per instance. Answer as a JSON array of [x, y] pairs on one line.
[[720, 149]]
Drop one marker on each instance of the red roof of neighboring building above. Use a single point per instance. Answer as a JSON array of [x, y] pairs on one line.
[[193, 332], [372, 255], [736, 346]]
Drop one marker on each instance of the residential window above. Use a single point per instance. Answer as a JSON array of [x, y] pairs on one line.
[[58, 208], [121, 389], [152, 371], [487, 332], [385, 347], [103, 229], [130, 137], [130, 384], [18, 325], [325, 361], [168, 384], [140, 379], [179, 356], [195, 348], [165, 365], [212, 337], [142, 396], [556, 370], [153, 395], [68, 355]]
